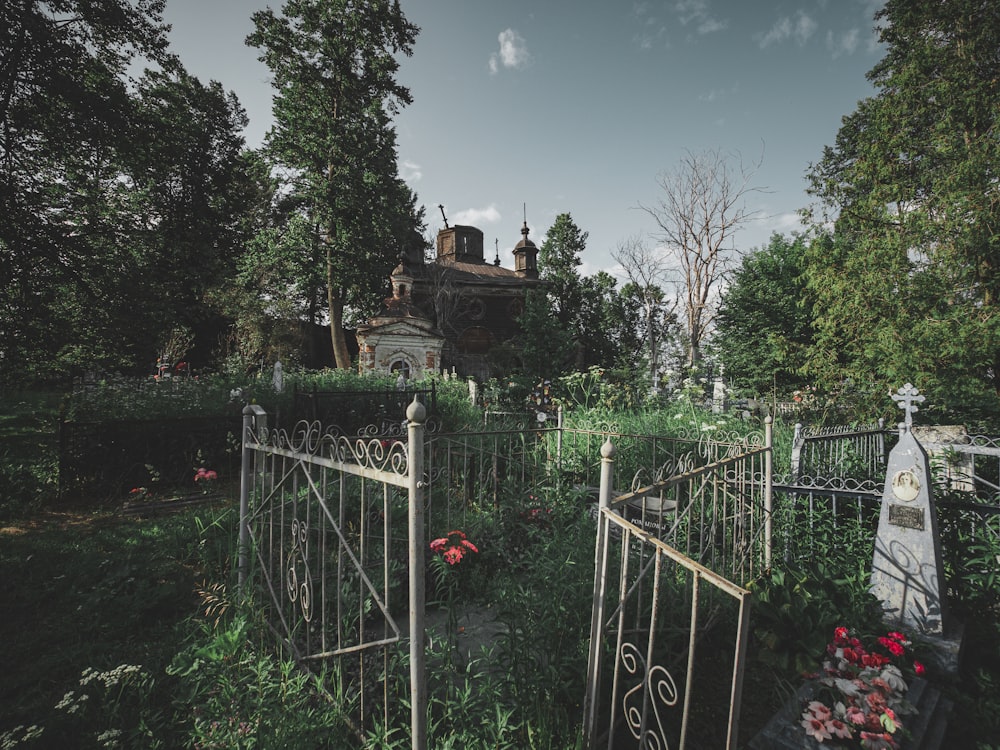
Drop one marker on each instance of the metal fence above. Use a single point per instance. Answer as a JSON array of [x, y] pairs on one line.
[[326, 520], [670, 607], [109, 458]]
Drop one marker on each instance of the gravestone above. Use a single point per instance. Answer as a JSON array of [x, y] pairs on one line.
[[958, 470], [907, 575], [907, 572], [278, 377]]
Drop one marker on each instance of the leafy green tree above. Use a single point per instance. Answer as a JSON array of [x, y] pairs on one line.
[[559, 259], [609, 333], [546, 348], [576, 322], [65, 112], [763, 324], [907, 289], [334, 66]]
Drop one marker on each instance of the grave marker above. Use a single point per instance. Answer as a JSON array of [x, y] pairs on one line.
[[907, 573]]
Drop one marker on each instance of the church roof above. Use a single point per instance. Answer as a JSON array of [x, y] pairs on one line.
[[484, 273]]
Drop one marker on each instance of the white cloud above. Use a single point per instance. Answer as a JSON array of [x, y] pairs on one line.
[[410, 171], [476, 216], [698, 13], [843, 44], [800, 29], [513, 52]]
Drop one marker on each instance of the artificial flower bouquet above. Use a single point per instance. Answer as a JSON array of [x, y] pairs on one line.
[[862, 693]]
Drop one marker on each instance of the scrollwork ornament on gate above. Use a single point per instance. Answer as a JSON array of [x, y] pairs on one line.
[[299, 590], [656, 683]]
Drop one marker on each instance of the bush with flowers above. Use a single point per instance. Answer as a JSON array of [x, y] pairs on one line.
[[204, 478], [862, 693]]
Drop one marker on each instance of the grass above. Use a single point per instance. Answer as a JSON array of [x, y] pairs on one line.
[[141, 609]]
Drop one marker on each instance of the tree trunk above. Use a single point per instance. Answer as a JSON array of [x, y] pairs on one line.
[[335, 303]]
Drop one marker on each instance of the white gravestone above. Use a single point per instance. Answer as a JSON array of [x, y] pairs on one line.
[[278, 377], [907, 574]]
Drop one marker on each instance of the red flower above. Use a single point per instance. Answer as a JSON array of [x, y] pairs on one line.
[[918, 668], [453, 547]]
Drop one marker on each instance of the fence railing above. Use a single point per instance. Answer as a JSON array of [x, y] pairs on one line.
[[109, 458], [379, 411], [671, 562], [841, 451]]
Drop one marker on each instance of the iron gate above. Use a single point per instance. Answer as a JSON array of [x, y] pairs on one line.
[[670, 614], [335, 529]]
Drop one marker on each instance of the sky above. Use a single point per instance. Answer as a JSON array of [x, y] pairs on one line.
[[534, 108]]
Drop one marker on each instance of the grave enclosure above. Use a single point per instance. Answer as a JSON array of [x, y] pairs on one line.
[[329, 522]]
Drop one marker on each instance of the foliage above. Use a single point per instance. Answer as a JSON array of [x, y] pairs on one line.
[[575, 322], [64, 113], [764, 320], [245, 696], [113, 187], [334, 68], [906, 289], [796, 607]]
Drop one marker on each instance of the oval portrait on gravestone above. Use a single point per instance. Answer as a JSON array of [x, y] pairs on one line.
[[905, 485]]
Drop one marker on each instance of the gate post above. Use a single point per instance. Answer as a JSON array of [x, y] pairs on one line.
[[590, 700], [251, 414], [768, 491], [415, 414]]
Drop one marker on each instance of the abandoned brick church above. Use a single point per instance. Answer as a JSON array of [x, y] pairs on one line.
[[457, 312]]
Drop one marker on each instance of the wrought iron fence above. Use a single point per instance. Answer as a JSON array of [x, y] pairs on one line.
[[376, 411], [333, 524], [108, 458], [840, 451], [670, 611]]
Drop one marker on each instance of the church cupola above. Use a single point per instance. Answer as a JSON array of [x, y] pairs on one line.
[[526, 256]]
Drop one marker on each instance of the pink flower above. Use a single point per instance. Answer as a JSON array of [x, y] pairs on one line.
[[918, 668], [838, 729], [819, 710], [815, 728], [855, 715]]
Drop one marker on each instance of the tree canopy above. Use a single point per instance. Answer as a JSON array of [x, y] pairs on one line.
[[334, 65], [112, 188], [907, 289], [764, 322]]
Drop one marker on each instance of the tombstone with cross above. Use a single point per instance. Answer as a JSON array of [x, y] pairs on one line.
[[907, 574]]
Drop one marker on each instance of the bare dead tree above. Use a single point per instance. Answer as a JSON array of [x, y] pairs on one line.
[[701, 206], [651, 271]]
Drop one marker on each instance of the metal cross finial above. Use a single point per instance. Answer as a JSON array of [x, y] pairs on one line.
[[908, 397]]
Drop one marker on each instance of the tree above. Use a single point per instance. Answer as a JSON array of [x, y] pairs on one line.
[[764, 321], [559, 259], [334, 70], [907, 288], [610, 320], [552, 319], [701, 207], [648, 271], [65, 114]]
